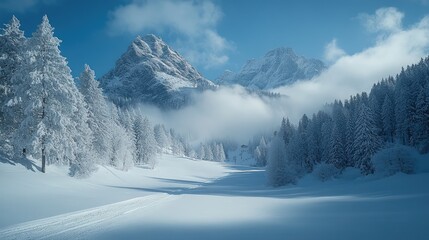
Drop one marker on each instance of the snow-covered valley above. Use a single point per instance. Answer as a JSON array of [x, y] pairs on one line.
[[185, 199]]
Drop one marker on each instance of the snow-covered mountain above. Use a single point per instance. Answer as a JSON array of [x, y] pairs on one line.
[[278, 67], [150, 71]]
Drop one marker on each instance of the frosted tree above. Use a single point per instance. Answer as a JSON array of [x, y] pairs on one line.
[[314, 138], [367, 142], [261, 152], [277, 163], [388, 118], [121, 153], [201, 151], [98, 113], [208, 152], [222, 155], [325, 143], [337, 154], [404, 108], [286, 130], [54, 126], [122, 149], [421, 123], [12, 43], [161, 137], [177, 145], [144, 141]]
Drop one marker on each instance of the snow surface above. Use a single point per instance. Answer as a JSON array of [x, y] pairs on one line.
[[190, 199]]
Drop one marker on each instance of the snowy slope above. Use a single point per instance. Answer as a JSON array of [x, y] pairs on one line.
[[150, 71], [177, 202], [278, 67], [27, 195]]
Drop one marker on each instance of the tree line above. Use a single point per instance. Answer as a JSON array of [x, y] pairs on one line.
[[394, 115]]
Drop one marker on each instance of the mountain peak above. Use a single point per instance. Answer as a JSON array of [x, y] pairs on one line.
[[281, 51], [150, 71], [148, 45], [279, 67]]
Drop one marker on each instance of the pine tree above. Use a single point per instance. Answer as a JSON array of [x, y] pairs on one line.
[[367, 142], [388, 118], [286, 130], [144, 142], [325, 142], [222, 153], [98, 113], [12, 43], [201, 151], [338, 154], [208, 152], [421, 123], [55, 126], [276, 164], [161, 137], [261, 152], [122, 149]]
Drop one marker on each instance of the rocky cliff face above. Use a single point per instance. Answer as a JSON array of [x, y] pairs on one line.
[[151, 72]]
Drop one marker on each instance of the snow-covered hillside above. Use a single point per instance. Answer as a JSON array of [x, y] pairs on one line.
[[190, 199], [150, 71], [278, 67]]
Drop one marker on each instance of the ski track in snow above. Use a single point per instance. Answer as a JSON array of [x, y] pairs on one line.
[[76, 225]]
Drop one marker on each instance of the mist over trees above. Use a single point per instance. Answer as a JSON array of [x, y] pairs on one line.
[[368, 132], [46, 116]]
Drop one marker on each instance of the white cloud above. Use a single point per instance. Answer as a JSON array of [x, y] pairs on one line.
[[333, 52], [352, 74], [23, 5], [194, 23], [385, 19], [233, 113], [229, 112]]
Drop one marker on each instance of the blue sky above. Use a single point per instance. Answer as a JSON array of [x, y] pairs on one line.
[[214, 35]]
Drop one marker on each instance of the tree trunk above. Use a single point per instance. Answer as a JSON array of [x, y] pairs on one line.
[[43, 160]]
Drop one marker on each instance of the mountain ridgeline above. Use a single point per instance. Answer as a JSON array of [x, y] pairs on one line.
[[279, 67], [151, 72]]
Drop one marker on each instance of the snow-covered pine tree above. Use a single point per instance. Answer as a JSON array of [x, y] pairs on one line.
[[261, 152], [314, 139], [388, 118], [338, 155], [12, 43], [367, 142], [404, 107], [55, 126], [277, 164], [325, 143], [421, 124], [215, 151], [161, 137], [208, 152], [177, 143], [201, 151], [144, 141], [98, 114], [222, 154], [122, 149], [286, 130], [306, 162]]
